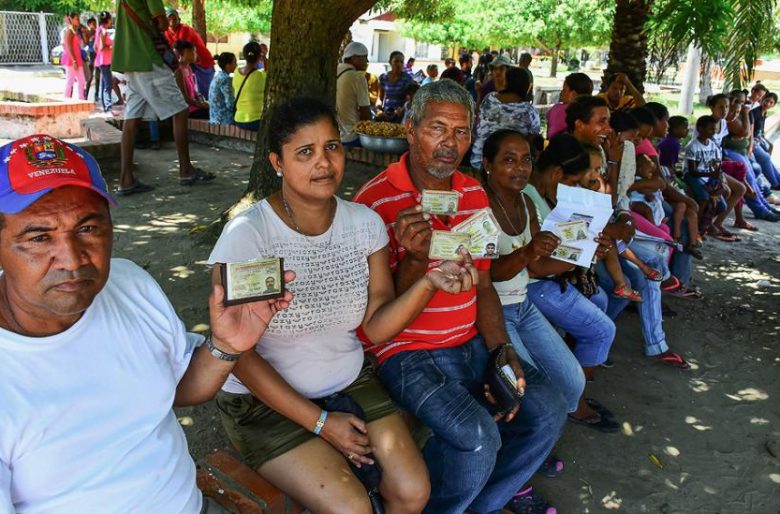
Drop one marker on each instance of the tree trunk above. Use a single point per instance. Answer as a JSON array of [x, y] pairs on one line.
[[628, 47], [199, 18], [705, 79], [554, 61], [305, 54]]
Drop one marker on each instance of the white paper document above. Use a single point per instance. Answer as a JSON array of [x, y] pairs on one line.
[[578, 218]]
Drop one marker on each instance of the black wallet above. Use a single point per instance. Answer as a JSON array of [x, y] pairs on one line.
[[502, 386]]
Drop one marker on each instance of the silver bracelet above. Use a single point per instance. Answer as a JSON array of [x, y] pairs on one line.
[[219, 354]]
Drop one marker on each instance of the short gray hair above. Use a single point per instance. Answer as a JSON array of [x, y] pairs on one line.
[[444, 90]]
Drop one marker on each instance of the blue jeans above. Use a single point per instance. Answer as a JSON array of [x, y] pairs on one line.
[[474, 462], [650, 314], [106, 85], [537, 342], [203, 77], [681, 264], [583, 318], [758, 205], [768, 168]]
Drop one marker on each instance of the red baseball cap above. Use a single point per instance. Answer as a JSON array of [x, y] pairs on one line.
[[35, 165]]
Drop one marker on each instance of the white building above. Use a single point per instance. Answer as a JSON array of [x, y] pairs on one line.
[[381, 36]]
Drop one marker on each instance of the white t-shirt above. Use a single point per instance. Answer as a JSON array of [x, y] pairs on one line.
[[515, 289], [86, 415], [312, 344], [351, 95], [703, 154]]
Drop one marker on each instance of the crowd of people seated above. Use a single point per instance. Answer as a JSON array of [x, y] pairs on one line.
[[321, 386]]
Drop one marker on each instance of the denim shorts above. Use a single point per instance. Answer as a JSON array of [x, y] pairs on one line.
[[260, 433]]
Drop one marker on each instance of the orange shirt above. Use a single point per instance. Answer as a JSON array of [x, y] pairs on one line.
[[448, 320]]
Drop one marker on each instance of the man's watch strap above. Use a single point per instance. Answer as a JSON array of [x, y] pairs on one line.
[[219, 354]]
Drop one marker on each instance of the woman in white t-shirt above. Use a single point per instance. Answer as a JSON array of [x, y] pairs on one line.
[[274, 405]]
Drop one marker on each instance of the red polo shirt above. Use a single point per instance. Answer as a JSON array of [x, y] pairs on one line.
[[187, 33], [448, 320]]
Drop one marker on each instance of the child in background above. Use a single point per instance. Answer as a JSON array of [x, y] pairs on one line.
[[575, 84], [646, 197], [409, 92], [594, 181], [432, 71], [185, 78], [703, 173], [683, 206], [222, 96]]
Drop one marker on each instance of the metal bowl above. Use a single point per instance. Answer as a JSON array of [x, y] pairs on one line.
[[384, 144]]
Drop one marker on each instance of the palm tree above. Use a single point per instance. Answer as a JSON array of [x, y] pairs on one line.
[[737, 29], [628, 47]]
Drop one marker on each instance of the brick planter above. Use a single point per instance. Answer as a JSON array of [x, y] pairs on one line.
[[26, 114]]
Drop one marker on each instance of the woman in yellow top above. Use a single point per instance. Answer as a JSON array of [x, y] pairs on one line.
[[249, 85]]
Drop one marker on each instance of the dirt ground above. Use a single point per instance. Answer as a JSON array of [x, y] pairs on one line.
[[713, 432]]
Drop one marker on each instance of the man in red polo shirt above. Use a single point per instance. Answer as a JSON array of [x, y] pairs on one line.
[[203, 68], [435, 368]]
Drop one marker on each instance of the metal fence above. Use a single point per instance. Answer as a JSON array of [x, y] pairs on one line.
[[28, 38]]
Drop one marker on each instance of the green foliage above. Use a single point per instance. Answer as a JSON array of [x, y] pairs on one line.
[[55, 6], [225, 17], [736, 29], [549, 24]]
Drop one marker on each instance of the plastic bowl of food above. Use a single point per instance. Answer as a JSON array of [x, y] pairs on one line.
[[380, 136], [384, 144]]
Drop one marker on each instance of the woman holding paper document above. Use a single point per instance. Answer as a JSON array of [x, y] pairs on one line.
[[568, 295], [507, 165], [283, 408]]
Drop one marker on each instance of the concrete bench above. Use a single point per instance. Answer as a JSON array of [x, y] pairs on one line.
[[226, 478], [231, 137]]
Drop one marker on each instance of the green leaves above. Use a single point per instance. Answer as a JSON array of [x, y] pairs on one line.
[[737, 29], [511, 23]]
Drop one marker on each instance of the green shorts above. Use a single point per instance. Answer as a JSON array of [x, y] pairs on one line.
[[260, 433]]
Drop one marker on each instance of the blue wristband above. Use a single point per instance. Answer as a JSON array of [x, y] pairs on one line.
[[320, 422]]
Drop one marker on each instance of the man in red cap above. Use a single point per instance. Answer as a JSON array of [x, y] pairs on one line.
[[94, 355]]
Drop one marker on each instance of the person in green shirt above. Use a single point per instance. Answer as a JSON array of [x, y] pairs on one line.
[[151, 89]]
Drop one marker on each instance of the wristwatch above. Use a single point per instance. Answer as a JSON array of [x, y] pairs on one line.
[[219, 354]]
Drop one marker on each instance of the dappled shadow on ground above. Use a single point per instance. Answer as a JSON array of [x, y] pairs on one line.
[[706, 440]]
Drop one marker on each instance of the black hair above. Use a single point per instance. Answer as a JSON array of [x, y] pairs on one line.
[[251, 52], [771, 95], [73, 14], [91, 20], [759, 87], [582, 109], [517, 82], [580, 83], [394, 54], [290, 115], [565, 151], [180, 45], [431, 67], [705, 120], [453, 74], [411, 88], [643, 116], [104, 16], [735, 92], [620, 121], [225, 58], [677, 122], [712, 100], [659, 110], [411, 59], [464, 59], [494, 140]]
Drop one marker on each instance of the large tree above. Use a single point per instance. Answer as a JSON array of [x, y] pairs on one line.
[[305, 39]]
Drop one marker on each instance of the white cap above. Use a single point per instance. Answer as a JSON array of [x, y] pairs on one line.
[[355, 48]]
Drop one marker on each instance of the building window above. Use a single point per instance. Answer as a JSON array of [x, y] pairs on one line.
[[421, 50]]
